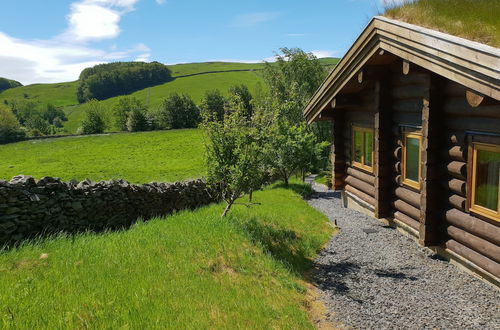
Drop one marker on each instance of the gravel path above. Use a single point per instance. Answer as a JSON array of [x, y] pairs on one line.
[[372, 277]]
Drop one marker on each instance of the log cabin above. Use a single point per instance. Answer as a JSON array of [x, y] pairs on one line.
[[415, 117]]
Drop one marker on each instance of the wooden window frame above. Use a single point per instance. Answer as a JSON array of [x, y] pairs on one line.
[[362, 165], [406, 181], [473, 208]]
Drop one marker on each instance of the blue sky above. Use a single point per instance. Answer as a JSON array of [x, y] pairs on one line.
[[53, 40]]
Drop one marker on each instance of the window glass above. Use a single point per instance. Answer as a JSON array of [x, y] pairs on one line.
[[358, 146], [487, 179], [368, 148], [412, 158]]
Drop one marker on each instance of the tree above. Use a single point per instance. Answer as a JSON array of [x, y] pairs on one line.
[[10, 129], [212, 105], [241, 95], [136, 121], [51, 112], [178, 111], [38, 126], [234, 156], [95, 121], [122, 110]]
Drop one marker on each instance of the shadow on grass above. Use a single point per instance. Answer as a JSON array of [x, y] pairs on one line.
[[282, 244], [303, 189]]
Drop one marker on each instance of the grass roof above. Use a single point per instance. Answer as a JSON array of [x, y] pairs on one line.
[[477, 20]]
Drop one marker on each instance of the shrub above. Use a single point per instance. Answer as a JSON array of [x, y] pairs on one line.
[[212, 105], [178, 111], [122, 110], [10, 129], [95, 121], [136, 121]]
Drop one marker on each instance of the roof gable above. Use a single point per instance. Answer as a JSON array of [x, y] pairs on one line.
[[469, 63]]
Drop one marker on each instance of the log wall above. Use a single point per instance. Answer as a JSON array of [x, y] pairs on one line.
[[471, 236]]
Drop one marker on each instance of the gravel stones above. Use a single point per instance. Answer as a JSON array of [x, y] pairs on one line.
[[373, 277]]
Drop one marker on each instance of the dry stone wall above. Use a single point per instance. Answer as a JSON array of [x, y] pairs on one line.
[[30, 208]]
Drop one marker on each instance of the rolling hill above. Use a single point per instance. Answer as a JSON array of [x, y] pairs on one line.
[[191, 78]]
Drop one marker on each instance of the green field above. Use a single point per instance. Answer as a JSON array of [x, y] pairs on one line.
[[192, 270], [471, 19], [165, 156], [60, 95]]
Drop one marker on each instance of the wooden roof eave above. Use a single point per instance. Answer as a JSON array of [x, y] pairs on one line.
[[469, 63]]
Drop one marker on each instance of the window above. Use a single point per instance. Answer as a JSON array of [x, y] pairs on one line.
[[485, 180], [411, 160], [362, 153]]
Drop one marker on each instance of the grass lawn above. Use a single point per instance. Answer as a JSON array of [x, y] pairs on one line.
[[477, 20], [191, 270], [137, 157]]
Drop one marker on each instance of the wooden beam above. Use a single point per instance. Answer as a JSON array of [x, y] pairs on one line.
[[473, 98], [406, 67]]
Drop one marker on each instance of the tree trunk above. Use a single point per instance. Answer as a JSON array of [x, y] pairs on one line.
[[228, 207], [286, 181], [250, 195]]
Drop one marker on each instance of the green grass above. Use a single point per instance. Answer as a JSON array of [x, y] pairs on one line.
[[61, 94], [477, 20], [165, 156], [192, 270]]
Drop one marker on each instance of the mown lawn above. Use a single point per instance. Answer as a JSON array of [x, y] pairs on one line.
[[192, 270], [164, 156]]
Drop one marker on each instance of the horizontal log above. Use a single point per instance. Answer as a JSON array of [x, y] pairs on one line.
[[458, 153], [361, 195], [457, 186], [459, 106], [408, 196], [483, 262], [474, 225], [414, 119], [411, 79], [407, 220], [478, 244], [471, 123], [407, 209], [451, 88], [408, 106], [397, 167], [410, 92], [458, 169], [397, 179], [363, 176], [458, 202], [361, 185]]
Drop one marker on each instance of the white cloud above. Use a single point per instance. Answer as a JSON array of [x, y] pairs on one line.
[[323, 53], [253, 19], [63, 57], [146, 57]]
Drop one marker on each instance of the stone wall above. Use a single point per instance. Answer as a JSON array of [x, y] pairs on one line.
[[30, 208]]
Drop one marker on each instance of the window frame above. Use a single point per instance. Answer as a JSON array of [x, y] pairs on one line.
[[362, 165], [406, 181], [474, 208]]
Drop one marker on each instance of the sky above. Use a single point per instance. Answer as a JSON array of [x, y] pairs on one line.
[[47, 41]]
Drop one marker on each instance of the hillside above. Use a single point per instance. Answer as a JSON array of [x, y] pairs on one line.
[[8, 84], [477, 20]]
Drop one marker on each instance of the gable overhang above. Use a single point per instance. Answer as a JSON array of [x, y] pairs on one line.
[[474, 65]]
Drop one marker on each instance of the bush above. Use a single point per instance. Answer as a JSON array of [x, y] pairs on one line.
[[136, 121], [95, 121], [122, 110], [10, 129], [212, 105], [178, 111]]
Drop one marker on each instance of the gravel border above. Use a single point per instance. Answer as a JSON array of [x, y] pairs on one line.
[[372, 277]]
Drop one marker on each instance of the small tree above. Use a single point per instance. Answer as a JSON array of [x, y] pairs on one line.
[[178, 111], [123, 108], [95, 121], [136, 121], [10, 129], [212, 105], [234, 156], [241, 95]]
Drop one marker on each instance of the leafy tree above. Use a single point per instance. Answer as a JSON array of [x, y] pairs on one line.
[[57, 122], [122, 110], [38, 126], [24, 110], [178, 111], [234, 156], [10, 129], [51, 112], [241, 94], [136, 121], [107, 80], [212, 105], [95, 121], [291, 149]]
